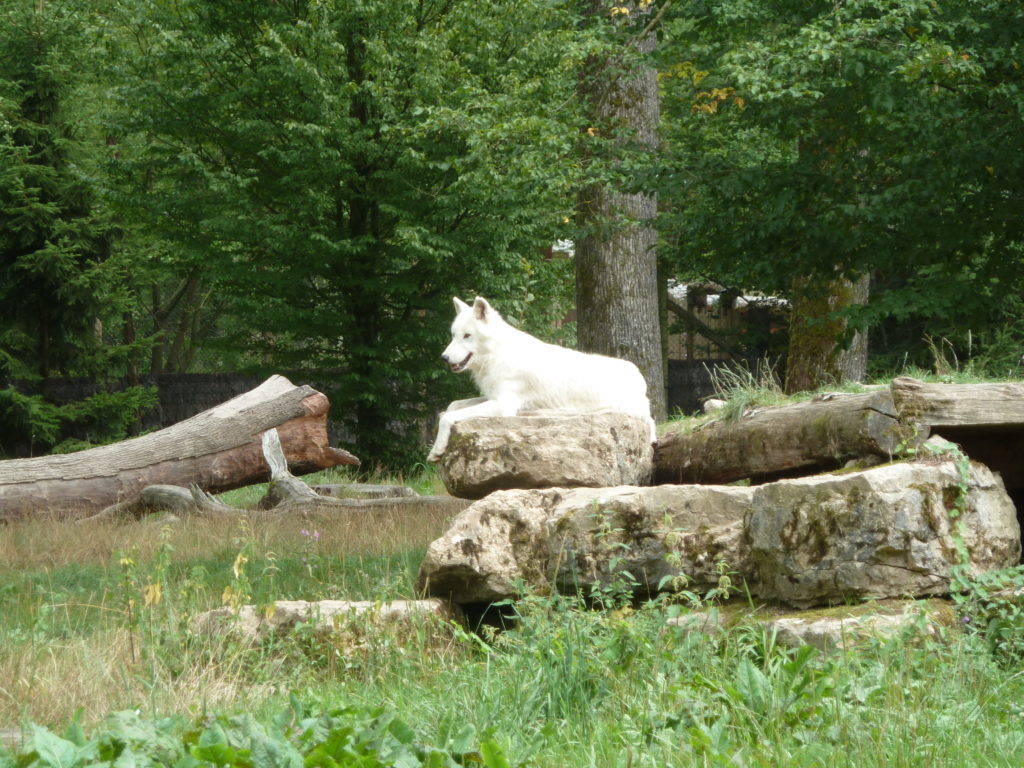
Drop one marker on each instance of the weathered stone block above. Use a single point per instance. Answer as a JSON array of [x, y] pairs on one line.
[[546, 451], [253, 623], [889, 531], [565, 539], [884, 532]]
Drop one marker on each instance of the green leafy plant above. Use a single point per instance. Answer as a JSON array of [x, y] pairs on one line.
[[990, 604], [371, 738], [104, 417], [615, 586]]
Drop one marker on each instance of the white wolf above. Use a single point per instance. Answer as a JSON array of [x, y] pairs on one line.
[[517, 372]]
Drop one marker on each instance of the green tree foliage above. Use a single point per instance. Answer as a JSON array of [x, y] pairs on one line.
[[57, 278], [338, 170], [53, 243], [811, 139]]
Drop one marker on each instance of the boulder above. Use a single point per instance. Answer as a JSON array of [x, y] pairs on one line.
[[656, 538], [565, 539], [546, 451], [252, 623], [883, 532], [492, 549]]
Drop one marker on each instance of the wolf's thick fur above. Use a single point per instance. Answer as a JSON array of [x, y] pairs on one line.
[[516, 372]]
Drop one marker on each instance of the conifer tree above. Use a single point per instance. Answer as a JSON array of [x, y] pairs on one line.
[[53, 243]]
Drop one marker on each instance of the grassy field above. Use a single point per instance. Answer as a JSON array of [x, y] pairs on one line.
[[95, 621]]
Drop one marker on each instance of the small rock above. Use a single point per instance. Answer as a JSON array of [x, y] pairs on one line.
[[842, 628], [364, 491], [253, 623], [836, 633]]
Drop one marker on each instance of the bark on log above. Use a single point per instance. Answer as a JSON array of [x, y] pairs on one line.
[[217, 450], [365, 491], [285, 493], [290, 495], [323, 505], [164, 498], [770, 443], [986, 420], [989, 404]]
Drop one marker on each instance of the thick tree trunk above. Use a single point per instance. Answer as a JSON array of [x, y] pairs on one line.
[[769, 443], [818, 353], [616, 262], [986, 420], [216, 450]]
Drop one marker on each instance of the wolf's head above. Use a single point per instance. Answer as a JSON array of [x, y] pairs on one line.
[[471, 330]]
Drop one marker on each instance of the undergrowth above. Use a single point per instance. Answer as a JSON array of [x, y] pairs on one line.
[[565, 686], [100, 665]]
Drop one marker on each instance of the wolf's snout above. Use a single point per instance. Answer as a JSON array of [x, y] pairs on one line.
[[457, 367]]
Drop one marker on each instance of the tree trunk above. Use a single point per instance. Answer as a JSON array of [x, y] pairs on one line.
[[217, 450], [769, 443], [986, 420], [998, 405], [616, 261], [819, 355]]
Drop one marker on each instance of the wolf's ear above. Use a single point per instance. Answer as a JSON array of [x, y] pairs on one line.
[[482, 310], [459, 304]]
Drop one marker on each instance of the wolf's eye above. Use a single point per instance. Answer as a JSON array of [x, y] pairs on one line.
[[465, 335]]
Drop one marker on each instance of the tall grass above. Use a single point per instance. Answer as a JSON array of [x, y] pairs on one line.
[[82, 631], [82, 635]]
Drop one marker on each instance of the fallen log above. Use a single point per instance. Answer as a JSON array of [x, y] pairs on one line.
[[289, 495], [987, 404], [286, 494], [985, 419], [770, 443], [174, 499], [216, 450], [365, 491]]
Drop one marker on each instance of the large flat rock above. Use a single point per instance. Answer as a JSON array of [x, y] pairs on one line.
[[252, 623], [585, 538], [546, 451], [893, 531], [885, 532]]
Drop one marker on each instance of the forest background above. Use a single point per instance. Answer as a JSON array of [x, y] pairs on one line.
[[300, 187]]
